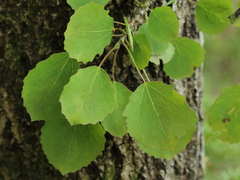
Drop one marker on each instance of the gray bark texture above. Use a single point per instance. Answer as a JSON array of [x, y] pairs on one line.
[[32, 30]]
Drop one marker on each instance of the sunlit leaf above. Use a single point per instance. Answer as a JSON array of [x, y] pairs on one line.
[[77, 3], [44, 84], [141, 50], [157, 116], [88, 97], [212, 15], [69, 148], [88, 33], [115, 123], [188, 56], [163, 24], [224, 114]]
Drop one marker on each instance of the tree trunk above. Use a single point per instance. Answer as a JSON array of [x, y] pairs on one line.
[[31, 31]]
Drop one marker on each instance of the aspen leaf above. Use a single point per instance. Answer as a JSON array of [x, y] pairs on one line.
[[88, 36], [181, 144], [163, 24], [157, 116], [77, 3], [44, 84], [88, 97], [188, 55], [159, 50], [224, 114], [115, 123], [141, 50], [69, 148], [212, 15]]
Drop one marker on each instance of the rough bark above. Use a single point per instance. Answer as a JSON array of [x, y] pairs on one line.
[[31, 31]]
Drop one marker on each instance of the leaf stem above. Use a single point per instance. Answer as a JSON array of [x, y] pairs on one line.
[[116, 22], [143, 5], [130, 54], [117, 45], [192, 1], [146, 75], [119, 29], [114, 63]]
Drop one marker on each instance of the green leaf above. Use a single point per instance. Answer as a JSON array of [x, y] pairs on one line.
[[156, 46], [224, 114], [69, 148], [159, 50], [129, 32], [88, 33], [181, 144], [212, 16], [115, 123], [77, 3], [88, 97], [169, 2], [235, 18], [44, 84], [166, 56], [163, 24], [141, 51], [188, 56], [157, 116]]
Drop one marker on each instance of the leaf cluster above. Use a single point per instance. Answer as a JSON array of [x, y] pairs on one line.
[[80, 104]]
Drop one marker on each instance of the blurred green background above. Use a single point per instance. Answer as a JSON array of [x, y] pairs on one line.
[[221, 70]]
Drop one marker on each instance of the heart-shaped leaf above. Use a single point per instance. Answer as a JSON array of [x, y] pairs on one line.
[[44, 84], [157, 116], [88, 33], [69, 148], [88, 97]]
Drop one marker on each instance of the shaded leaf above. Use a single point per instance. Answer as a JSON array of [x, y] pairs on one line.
[[129, 32], [69, 148], [141, 51], [224, 114], [188, 56], [163, 24], [77, 3], [44, 84], [82, 34], [212, 16], [88, 97], [157, 116], [115, 123], [166, 56], [156, 46], [159, 50]]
